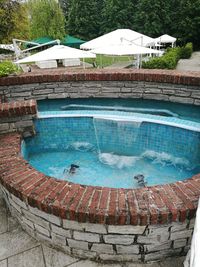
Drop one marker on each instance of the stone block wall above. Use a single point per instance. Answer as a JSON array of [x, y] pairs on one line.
[[102, 242], [104, 224], [146, 84], [18, 116]]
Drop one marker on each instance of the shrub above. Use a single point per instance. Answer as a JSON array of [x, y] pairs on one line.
[[187, 50], [167, 61], [170, 59], [7, 67]]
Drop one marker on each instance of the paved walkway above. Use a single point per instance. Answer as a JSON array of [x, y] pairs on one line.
[[191, 64], [18, 249]]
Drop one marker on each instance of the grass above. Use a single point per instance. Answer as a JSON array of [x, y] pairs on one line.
[[103, 61]]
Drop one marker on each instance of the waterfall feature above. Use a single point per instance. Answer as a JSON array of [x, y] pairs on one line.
[[193, 257], [116, 136], [153, 111]]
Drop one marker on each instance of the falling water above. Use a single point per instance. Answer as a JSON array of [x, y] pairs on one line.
[[116, 136]]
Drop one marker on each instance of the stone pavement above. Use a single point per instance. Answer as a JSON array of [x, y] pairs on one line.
[[18, 249], [191, 64]]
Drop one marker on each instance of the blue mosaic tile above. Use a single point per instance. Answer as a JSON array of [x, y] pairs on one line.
[[120, 137]]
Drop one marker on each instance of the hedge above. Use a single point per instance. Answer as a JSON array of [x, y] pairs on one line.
[[7, 67], [170, 59]]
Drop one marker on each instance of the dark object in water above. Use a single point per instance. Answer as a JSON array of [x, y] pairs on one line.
[[140, 179], [72, 169]]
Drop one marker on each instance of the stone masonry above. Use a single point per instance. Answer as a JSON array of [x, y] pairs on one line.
[[18, 116], [103, 224], [136, 225], [145, 84], [102, 242]]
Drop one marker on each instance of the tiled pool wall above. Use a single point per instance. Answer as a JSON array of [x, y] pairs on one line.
[[103, 224], [128, 138]]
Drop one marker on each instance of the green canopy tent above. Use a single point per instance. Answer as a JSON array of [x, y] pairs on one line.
[[68, 41], [72, 41]]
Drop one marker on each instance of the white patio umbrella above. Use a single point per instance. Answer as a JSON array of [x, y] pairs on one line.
[[124, 50], [7, 47], [125, 36], [57, 52], [165, 39]]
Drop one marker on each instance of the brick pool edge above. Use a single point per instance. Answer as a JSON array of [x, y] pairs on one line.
[[137, 225], [97, 222]]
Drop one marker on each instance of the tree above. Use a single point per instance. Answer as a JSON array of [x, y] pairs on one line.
[[187, 22], [47, 19], [83, 19], [13, 20], [153, 17], [118, 14]]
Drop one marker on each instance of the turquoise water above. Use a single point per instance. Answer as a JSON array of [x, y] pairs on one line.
[[110, 153], [183, 111], [112, 170]]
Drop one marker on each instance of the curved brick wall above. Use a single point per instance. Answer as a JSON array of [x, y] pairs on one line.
[[147, 84], [95, 222]]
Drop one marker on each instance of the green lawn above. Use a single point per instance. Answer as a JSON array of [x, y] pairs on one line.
[[103, 61]]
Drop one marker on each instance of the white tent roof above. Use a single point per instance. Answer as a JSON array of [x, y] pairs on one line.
[[7, 47], [124, 49], [165, 39], [117, 37], [57, 52]]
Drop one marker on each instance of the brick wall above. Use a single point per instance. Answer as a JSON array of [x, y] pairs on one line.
[[103, 242], [147, 84], [107, 224], [18, 116], [95, 222]]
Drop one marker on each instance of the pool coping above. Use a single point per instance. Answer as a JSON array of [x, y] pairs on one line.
[[123, 116], [150, 75], [159, 204]]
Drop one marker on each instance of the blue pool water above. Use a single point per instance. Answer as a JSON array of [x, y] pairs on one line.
[[182, 111], [110, 153]]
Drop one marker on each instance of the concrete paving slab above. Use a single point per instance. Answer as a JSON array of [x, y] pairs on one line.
[[191, 64], [17, 241], [2, 203], [178, 262], [54, 258], [87, 263], [12, 223], [153, 264], [3, 221], [30, 258], [3, 263]]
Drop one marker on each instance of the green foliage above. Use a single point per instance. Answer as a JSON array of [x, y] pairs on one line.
[[7, 67], [117, 14], [153, 17], [83, 19], [13, 20], [186, 51], [47, 19], [170, 59]]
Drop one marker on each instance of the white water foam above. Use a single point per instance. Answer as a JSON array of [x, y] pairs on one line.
[[165, 158], [117, 160]]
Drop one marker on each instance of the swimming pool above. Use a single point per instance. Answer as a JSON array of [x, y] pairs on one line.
[[112, 151], [182, 111]]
